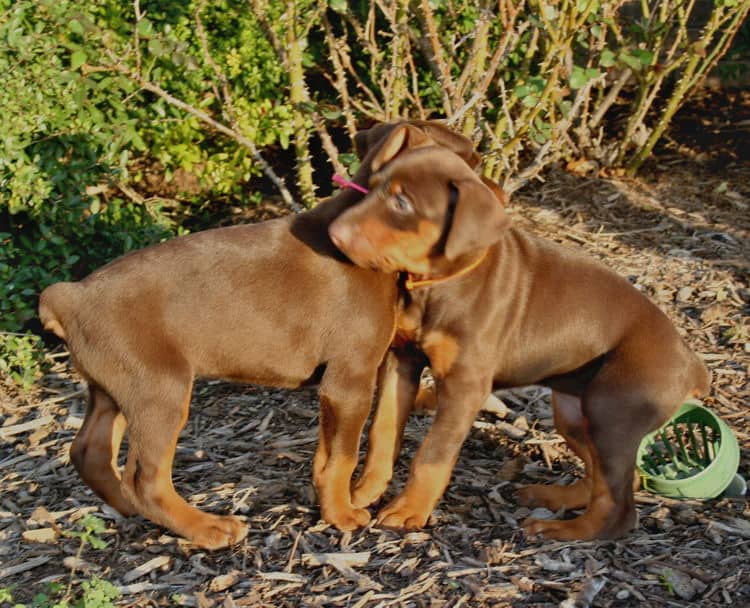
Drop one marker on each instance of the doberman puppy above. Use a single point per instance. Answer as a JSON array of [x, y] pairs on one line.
[[272, 303], [489, 305]]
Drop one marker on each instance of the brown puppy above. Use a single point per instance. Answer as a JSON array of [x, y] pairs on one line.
[[498, 307], [272, 303]]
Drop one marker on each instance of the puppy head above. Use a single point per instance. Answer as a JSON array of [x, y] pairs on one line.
[[427, 208], [369, 142]]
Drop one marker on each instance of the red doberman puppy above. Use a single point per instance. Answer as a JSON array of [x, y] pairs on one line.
[[490, 305], [272, 303]]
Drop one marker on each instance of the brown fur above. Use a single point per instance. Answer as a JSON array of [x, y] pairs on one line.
[[272, 303], [532, 312]]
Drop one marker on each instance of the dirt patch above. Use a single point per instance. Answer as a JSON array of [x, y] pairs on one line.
[[680, 233]]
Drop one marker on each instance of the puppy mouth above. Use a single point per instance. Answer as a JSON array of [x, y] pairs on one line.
[[365, 255]]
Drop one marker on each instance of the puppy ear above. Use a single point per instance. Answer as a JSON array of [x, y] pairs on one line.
[[366, 139], [500, 194], [448, 138], [403, 137], [479, 219]]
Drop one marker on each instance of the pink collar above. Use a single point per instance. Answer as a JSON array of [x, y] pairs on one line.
[[342, 181]]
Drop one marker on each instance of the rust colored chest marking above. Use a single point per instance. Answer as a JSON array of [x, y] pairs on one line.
[[442, 350], [408, 323]]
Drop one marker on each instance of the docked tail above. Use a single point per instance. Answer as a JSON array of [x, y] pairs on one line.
[[53, 302], [702, 376]]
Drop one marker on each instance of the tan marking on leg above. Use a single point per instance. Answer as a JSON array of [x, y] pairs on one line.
[[147, 478], [442, 349], [96, 447], [397, 386]]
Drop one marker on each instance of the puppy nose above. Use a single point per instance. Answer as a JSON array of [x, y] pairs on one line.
[[340, 234]]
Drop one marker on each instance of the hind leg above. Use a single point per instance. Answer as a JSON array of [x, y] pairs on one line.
[[96, 446], [345, 399], [397, 389], [612, 431], [570, 423], [155, 424]]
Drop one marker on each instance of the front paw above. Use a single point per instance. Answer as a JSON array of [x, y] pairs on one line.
[[368, 489], [346, 519], [403, 515], [217, 531]]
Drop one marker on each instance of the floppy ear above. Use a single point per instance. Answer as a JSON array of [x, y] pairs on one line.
[[402, 138], [365, 140], [500, 194], [478, 220], [448, 138]]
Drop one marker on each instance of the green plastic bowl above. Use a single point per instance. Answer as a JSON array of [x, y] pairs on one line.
[[694, 455]]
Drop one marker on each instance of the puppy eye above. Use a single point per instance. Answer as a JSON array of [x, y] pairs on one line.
[[400, 204]]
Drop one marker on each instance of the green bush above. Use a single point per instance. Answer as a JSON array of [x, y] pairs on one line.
[[21, 358], [63, 146]]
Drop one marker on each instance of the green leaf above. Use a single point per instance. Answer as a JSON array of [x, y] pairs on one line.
[[577, 78], [351, 161], [97, 543], [77, 59], [643, 56], [339, 6], [580, 76], [530, 101], [607, 59], [75, 26], [522, 90], [630, 61], [592, 73], [155, 47], [537, 84], [145, 28], [332, 114]]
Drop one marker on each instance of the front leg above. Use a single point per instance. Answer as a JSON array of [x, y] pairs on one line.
[[398, 383], [345, 398], [459, 399]]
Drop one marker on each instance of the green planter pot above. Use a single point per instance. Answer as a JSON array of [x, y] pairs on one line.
[[694, 455]]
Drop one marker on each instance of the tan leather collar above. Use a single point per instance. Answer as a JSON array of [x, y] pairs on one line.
[[412, 282]]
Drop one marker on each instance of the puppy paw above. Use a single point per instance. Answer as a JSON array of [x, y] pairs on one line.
[[218, 531], [122, 505], [367, 490], [555, 497], [400, 515], [347, 519], [561, 529], [532, 496], [540, 527]]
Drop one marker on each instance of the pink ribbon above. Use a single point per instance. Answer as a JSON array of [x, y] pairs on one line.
[[345, 183]]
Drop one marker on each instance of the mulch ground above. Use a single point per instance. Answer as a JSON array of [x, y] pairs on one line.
[[680, 232]]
